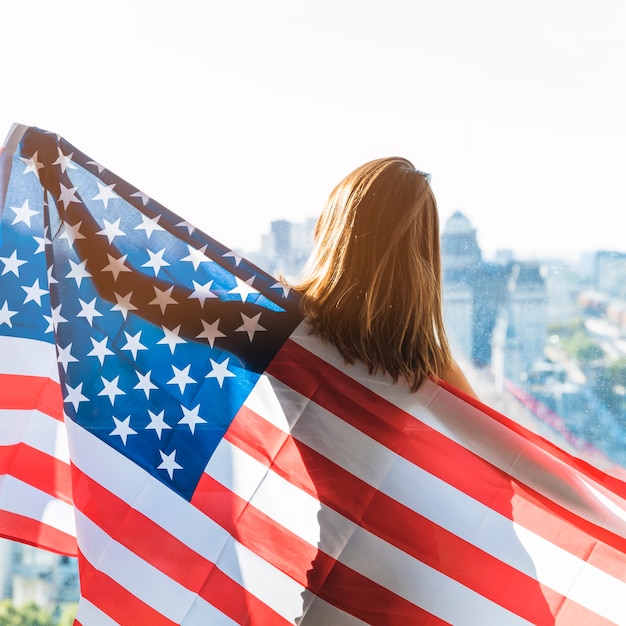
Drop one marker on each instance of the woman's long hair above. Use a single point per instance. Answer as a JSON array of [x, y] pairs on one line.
[[372, 286]]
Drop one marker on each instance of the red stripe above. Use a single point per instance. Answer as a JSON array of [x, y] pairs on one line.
[[111, 598], [332, 581], [469, 473], [31, 392], [38, 469], [153, 544], [33, 532], [407, 530]]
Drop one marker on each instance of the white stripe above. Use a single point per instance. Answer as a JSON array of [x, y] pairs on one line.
[[90, 615], [142, 580], [436, 500], [36, 429], [24, 499], [183, 521], [29, 357]]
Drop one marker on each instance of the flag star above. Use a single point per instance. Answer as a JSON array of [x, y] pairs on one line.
[[111, 230], [123, 429], [250, 325], [158, 423], [105, 194], [72, 233], [55, 319], [156, 261], [51, 278], [145, 384], [22, 214], [202, 292], [149, 224], [6, 314], [142, 196], [210, 332], [34, 293], [12, 264], [220, 371], [78, 272], [196, 256], [181, 378], [171, 338], [185, 224], [110, 388], [163, 298], [64, 356], [100, 349], [41, 242], [133, 343], [96, 164], [75, 395], [32, 164], [116, 266], [64, 160], [243, 288], [169, 463], [191, 418], [280, 285], [231, 253], [67, 195], [88, 311], [123, 304]]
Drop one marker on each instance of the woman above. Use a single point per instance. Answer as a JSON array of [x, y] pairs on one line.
[[372, 286]]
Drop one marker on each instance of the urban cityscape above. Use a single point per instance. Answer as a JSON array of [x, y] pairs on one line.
[[543, 342]]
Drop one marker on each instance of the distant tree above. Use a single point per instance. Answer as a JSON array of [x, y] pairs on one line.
[[610, 386], [28, 615], [582, 347], [67, 615]]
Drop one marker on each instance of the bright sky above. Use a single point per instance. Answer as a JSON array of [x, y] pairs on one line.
[[235, 113]]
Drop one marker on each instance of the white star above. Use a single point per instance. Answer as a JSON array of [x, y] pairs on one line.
[[169, 463], [280, 285], [23, 214], [171, 338], [202, 292], [181, 378], [145, 384], [184, 224], [75, 395], [250, 325], [158, 423], [220, 371], [196, 256], [67, 195], [210, 332], [105, 194], [100, 349], [149, 224], [123, 429], [71, 233], [237, 257], [55, 319], [133, 343], [41, 242], [6, 314], [191, 418], [32, 164], [163, 298], [116, 266], [12, 264], [142, 196], [110, 388], [156, 261], [111, 230], [88, 311], [51, 278], [123, 304], [96, 164], [78, 271], [64, 356], [243, 288], [34, 293], [64, 160]]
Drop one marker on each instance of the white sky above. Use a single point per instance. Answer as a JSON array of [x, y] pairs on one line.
[[236, 112]]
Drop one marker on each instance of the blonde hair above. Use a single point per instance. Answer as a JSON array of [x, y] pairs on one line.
[[372, 286]]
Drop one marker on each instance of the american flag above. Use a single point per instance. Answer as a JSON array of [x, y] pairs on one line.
[[167, 417]]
